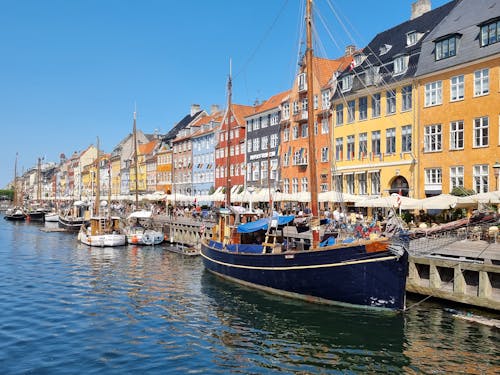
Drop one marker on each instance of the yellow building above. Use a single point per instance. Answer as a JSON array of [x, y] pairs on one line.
[[460, 102]]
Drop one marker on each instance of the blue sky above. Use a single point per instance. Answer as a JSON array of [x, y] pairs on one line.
[[72, 70]]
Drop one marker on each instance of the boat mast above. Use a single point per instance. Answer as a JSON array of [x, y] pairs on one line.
[[39, 186], [136, 163], [97, 202], [15, 182], [313, 177], [228, 140]]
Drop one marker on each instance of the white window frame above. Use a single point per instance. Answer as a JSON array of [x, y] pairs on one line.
[[481, 178], [433, 93], [433, 138], [457, 135], [481, 82], [457, 88], [481, 132], [456, 177]]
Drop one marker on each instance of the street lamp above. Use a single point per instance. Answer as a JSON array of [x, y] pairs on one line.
[[250, 189], [496, 173]]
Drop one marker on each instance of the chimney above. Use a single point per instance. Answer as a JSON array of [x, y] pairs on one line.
[[214, 108], [349, 50], [420, 7], [195, 108]]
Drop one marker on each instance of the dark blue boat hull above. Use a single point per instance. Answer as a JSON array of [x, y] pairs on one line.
[[345, 276]]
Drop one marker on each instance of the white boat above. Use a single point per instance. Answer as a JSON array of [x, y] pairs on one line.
[[140, 229], [52, 217], [102, 232]]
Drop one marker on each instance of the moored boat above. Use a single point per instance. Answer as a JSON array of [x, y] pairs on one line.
[[102, 232], [140, 231], [15, 214], [74, 217], [368, 273]]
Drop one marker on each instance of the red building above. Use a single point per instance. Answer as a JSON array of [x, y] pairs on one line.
[[235, 135]]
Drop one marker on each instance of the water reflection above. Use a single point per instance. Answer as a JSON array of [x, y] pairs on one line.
[[286, 335]]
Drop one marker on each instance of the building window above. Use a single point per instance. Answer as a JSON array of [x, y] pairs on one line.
[[325, 99], [351, 109], [433, 176], [286, 111], [263, 170], [303, 130], [339, 148], [295, 185], [363, 145], [390, 141], [338, 184], [255, 171], [349, 180], [274, 140], [286, 134], [295, 134], [390, 101], [363, 108], [376, 105], [350, 147], [324, 154], [411, 38], [256, 144], [286, 185], [346, 83], [302, 83], [490, 33], [456, 135], [433, 93], [456, 177], [362, 183], [406, 138], [400, 64], [264, 142], [295, 107], [481, 82], [376, 143], [446, 48], [432, 138], [457, 88], [375, 183], [324, 126], [481, 178], [481, 127], [274, 169], [339, 114], [406, 95], [304, 183]]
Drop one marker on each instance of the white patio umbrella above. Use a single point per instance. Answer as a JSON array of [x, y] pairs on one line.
[[405, 203], [446, 201], [489, 197]]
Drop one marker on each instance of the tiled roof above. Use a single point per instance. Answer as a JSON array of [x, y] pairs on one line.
[[147, 148], [241, 111], [324, 68], [273, 102]]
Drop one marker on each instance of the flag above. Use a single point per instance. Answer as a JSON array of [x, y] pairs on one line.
[[351, 65]]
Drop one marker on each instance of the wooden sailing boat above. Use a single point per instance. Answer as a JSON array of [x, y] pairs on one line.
[[102, 230], [15, 213], [139, 229], [362, 273]]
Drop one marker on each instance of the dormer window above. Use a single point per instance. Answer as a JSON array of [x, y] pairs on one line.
[[302, 82], [446, 47], [358, 59], [412, 38], [346, 83], [400, 64], [490, 32], [384, 49]]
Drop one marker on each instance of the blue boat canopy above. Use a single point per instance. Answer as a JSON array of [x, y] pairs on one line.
[[261, 224]]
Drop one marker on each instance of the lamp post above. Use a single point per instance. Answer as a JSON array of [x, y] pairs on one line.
[[250, 189], [496, 173]]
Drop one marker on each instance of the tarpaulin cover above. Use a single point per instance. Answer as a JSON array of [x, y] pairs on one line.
[[260, 224]]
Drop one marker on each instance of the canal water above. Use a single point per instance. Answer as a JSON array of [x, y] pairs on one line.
[[67, 308]]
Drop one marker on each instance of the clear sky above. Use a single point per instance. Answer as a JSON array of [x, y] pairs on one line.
[[72, 70]]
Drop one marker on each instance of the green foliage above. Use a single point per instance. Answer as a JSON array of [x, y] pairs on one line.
[[7, 194], [212, 190], [406, 216], [460, 191]]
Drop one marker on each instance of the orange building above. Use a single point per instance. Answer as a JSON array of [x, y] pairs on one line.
[[294, 127]]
